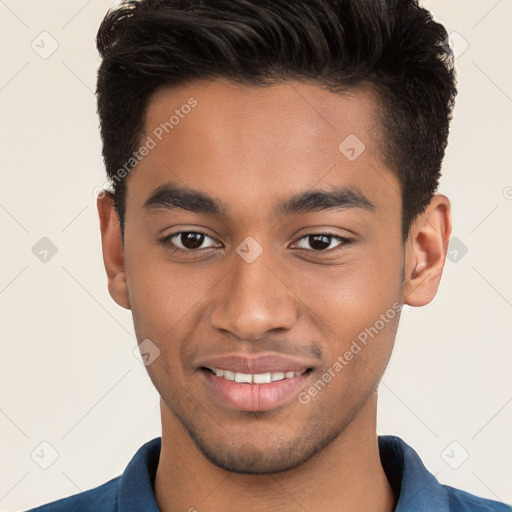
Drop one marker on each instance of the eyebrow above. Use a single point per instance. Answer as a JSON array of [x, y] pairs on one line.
[[171, 197]]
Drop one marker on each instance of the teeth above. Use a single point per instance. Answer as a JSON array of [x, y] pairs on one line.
[[277, 376], [262, 378], [258, 378], [228, 375], [243, 377]]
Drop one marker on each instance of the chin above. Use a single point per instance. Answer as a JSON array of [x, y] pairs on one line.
[[257, 458]]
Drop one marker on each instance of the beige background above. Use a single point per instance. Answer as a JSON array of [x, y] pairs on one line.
[[68, 375]]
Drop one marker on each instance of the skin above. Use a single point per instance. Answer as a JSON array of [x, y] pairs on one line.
[[252, 148]]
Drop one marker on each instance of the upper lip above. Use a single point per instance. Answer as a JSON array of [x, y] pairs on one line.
[[261, 363]]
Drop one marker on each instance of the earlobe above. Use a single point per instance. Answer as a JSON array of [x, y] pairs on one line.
[[425, 252], [112, 247]]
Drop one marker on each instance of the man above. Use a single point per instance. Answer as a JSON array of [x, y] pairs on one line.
[[275, 167]]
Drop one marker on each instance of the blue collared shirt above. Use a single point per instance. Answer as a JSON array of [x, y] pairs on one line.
[[418, 490]]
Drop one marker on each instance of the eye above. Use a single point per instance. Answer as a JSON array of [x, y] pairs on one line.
[[321, 242], [194, 241], [188, 241]]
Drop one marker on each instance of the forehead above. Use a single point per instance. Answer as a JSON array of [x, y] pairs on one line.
[[254, 142], [302, 115]]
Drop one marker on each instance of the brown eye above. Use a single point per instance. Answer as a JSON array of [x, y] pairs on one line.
[[191, 240], [188, 241], [321, 242]]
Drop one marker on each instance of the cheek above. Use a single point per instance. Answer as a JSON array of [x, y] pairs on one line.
[[168, 302], [354, 364], [356, 308], [347, 298], [162, 294]]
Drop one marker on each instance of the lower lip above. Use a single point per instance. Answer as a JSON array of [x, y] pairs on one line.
[[255, 397]]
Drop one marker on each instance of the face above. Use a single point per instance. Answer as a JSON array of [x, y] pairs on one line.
[[263, 237]]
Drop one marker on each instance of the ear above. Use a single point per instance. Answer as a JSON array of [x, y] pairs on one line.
[[425, 252], [112, 246]]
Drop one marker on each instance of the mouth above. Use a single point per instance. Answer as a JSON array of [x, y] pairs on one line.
[[254, 378], [253, 392]]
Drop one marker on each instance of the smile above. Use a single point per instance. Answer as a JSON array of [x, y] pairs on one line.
[[254, 378], [254, 392]]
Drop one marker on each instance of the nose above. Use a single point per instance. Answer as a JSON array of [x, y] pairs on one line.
[[254, 299]]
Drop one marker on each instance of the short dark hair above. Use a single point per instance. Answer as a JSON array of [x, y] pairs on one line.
[[393, 45]]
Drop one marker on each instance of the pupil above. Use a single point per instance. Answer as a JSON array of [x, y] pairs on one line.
[[322, 241], [192, 240]]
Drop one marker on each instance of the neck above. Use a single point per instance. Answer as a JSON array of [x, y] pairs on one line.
[[336, 478]]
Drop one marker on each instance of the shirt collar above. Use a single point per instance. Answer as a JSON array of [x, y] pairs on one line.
[[416, 487], [136, 486]]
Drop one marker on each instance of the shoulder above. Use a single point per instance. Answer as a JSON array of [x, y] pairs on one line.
[[132, 490], [419, 490], [104, 498], [462, 501]]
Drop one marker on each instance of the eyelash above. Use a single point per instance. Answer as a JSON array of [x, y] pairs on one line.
[[166, 242]]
